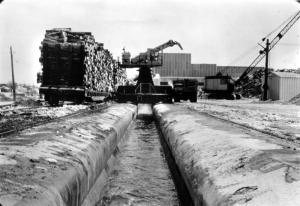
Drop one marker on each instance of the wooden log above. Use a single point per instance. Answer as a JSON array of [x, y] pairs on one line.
[[101, 71]]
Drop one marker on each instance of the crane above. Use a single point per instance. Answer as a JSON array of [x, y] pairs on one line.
[[243, 81], [144, 88], [271, 45], [146, 60], [152, 54]]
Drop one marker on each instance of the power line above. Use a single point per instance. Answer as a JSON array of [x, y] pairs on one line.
[[277, 28], [288, 44], [243, 55], [269, 34]]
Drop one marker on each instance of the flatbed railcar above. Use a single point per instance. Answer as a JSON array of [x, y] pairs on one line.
[[75, 68]]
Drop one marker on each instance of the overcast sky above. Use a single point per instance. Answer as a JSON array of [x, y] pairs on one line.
[[214, 31]]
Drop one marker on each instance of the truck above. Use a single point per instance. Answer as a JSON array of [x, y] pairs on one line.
[[185, 89]]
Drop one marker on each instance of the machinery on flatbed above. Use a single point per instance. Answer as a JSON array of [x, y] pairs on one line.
[[185, 89], [144, 90], [225, 87]]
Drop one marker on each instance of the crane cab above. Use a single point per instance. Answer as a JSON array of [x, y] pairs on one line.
[[126, 57], [220, 87]]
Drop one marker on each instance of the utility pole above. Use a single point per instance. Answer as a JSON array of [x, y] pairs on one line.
[[265, 86], [12, 73]]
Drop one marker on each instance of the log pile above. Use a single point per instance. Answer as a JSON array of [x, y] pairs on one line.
[[252, 87], [100, 71]]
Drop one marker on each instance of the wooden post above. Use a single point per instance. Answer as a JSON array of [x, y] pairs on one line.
[[265, 87], [13, 75]]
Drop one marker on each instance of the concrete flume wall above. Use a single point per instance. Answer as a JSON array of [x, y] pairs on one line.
[[63, 163], [223, 164]]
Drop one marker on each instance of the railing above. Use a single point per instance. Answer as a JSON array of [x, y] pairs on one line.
[[145, 88]]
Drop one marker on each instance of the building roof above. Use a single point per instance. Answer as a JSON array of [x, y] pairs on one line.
[[4, 87], [286, 74]]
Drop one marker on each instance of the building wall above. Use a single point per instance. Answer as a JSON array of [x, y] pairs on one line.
[[289, 88], [274, 87], [202, 70], [179, 65], [283, 86], [174, 64], [170, 79]]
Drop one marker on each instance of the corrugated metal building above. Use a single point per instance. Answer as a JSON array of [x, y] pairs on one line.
[[233, 71], [174, 64], [178, 65], [202, 70], [283, 85]]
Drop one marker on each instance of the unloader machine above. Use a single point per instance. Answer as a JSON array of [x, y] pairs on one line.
[[144, 90]]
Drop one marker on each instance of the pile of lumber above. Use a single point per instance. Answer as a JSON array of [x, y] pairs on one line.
[[100, 70]]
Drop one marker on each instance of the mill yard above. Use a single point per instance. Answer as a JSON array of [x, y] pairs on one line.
[[180, 103]]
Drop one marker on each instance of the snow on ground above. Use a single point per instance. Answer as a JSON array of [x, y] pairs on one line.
[[51, 112], [60, 111], [41, 165], [6, 103], [18, 117], [228, 165], [278, 118]]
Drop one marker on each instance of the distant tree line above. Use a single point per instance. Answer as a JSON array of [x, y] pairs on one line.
[[289, 70]]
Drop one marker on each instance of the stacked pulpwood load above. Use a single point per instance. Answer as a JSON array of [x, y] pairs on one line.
[[76, 59]]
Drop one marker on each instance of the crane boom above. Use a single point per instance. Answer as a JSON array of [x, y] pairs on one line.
[[170, 43], [250, 68], [151, 54], [274, 41], [285, 29]]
